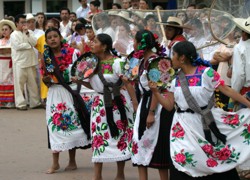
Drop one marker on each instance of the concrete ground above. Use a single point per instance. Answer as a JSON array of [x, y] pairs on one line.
[[24, 154]]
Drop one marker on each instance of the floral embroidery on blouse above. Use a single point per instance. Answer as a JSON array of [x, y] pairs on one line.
[[107, 66], [246, 134], [177, 132], [232, 119], [184, 158], [193, 80], [219, 154], [63, 118]]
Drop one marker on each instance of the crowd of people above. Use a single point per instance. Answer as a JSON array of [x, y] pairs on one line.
[[196, 127]]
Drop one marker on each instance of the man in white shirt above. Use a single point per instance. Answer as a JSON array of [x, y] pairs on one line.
[[83, 10], [241, 58], [65, 24], [24, 64], [31, 25]]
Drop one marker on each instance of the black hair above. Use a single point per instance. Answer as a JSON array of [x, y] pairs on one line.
[[192, 5], [105, 39], [65, 9], [117, 5], [18, 17], [45, 19], [187, 49], [201, 6], [149, 39], [79, 26], [88, 26], [82, 20], [73, 13], [96, 3], [149, 16], [52, 29]]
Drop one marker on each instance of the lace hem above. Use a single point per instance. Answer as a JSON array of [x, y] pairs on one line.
[[67, 146], [115, 159]]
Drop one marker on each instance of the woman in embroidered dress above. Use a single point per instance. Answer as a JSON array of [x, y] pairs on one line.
[[199, 152], [112, 110], [6, 77], [63, 120], [152, 124]]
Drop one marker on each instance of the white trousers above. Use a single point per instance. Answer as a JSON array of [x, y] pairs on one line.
[[26, 76]]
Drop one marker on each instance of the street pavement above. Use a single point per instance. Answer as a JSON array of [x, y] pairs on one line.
[[24, 154]]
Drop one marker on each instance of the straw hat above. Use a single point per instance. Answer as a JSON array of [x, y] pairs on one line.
[[174, 22], [124, 15], [140, 14], [30, 16], [243, 24], [113, 12], [7, 22]]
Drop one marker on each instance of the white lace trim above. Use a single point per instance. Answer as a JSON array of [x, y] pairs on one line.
[[113, 159], [70, 145]]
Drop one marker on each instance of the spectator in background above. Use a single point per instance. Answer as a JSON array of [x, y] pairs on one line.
[[134, 4], [72, 16], [83, 10], [6, 79], [94, 8], [65, 24], [40, 21], [31, 25], [24, 64], [183, 16], [116, 6], [190, 11], [126, 4], [144, 5], [201, 6]]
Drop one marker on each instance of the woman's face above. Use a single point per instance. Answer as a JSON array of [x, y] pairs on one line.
[[40, 19], [73, 26], [151, 23], [6, 31], [99, 23], [136, 44], [176, 64], [53, 39], [97, 47], [182, 16], [90, 34], [170, 32], [122, 32]]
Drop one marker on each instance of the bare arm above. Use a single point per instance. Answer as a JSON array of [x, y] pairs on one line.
[[167, 102], [86, 84], [131, 92], [234, 95]]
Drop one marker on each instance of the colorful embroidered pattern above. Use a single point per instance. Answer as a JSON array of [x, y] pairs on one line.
[[246, 134], [184, 158], [63, 118], [177, 132], [219, 154]]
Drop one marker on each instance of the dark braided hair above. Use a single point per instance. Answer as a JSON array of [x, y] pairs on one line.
[[105, 39], [187, 49]]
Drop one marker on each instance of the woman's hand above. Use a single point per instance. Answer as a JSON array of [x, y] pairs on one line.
[[75, 80], [153, 86], [150, 119], [47, 80]]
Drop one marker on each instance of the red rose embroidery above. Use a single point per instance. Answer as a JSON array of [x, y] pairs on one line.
[[97, 141], [211, 163], [106, 135], [120, 124], [134, 148], [130, 134], [96, 102], [57, 117], [178, 131], [98, 119], [121, 145], [180, 158], [208, 149], [224, 153], [93, 127], [102, 112]]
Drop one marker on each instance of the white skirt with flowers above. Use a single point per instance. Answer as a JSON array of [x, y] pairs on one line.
[[65, 130], [104, 147]]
